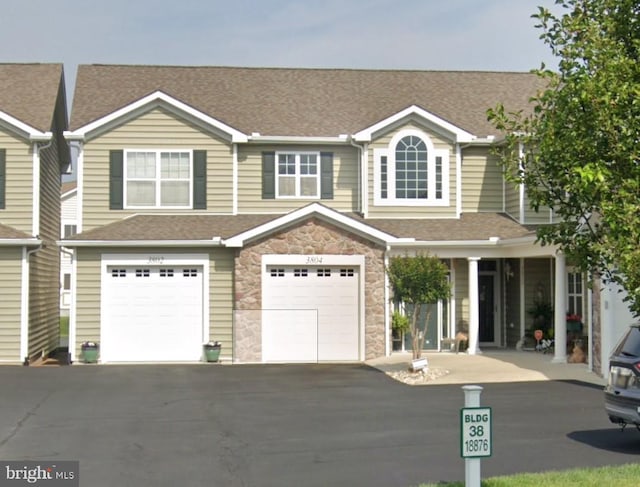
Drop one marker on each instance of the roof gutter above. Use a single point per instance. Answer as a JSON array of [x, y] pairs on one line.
[[480, 141], [214, 242], [27, 242], [490, 242], [279, 139]]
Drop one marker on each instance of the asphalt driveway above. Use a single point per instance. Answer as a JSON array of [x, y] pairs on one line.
[[308, 425]]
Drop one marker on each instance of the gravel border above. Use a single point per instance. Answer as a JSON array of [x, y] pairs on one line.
[[417, 378]]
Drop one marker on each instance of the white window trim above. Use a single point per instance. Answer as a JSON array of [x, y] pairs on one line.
[[158, 206], [390, 152], [297, 175], [572, 296]]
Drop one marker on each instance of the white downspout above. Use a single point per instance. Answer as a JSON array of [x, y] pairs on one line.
[[79, 186], [234, 208], [458, 180]]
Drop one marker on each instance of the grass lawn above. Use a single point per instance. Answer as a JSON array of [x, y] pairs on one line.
[[618, 476], [64, 326]]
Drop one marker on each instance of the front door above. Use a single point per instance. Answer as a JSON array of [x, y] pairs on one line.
[[488, 293], [486, 309]]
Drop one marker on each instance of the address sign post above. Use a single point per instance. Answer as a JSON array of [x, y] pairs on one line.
[[475, 434]]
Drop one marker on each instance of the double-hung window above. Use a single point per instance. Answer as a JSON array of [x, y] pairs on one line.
[[158, 179], [411, 172], [574, 292], [298, 174]]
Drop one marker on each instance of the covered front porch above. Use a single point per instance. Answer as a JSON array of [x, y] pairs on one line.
[[495, 293]]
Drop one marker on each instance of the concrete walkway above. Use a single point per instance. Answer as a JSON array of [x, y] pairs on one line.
[[492, 366]]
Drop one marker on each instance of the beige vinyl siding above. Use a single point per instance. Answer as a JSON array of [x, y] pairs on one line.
[[345, 179], [512, 200], [18, 212], [382, 142], [156, 129], [87, 299], [44, 308], [88, 292], [512, 207], [482, 182], [221, 299], [10, 303], [543, 215]]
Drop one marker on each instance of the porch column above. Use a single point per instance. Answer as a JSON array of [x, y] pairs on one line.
[[474, 320], [560, 309]]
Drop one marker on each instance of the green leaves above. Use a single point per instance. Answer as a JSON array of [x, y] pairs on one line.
[[578, 150], [419, 280]]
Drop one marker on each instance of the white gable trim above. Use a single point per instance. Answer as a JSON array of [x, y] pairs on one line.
[[314, 209], [25, 130], [156, 97], [457, 133]]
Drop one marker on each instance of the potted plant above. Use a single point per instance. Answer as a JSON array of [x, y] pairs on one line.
[[542, 314], [212, 351], [90, 352], [399, 326]]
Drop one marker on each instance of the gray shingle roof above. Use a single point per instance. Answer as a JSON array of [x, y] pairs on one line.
[[175, 227], [29, 92], [472, 226], [304, 102], [7, 232], [68, 186]]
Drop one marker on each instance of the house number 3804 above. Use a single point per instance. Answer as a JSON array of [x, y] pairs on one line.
[[314, 259], [155, 260]]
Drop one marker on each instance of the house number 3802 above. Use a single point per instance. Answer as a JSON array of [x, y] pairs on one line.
[[314, 259], [155, 260]]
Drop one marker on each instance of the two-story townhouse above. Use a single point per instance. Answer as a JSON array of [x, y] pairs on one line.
[[33, 154], [259, 207]]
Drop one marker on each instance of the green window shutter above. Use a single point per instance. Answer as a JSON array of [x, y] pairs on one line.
[[268, 175], [326, 175], [116, 179], [199, 179], [3, 177]]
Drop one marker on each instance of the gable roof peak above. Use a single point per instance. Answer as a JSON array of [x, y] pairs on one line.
[[304, 102]]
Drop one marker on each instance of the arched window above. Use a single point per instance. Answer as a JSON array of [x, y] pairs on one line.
[[411, 168], [411, 172]]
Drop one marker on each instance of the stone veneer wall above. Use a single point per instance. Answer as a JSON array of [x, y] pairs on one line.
[[312, 237]]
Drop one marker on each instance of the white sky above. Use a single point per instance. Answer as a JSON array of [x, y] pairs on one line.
[[487, 35]]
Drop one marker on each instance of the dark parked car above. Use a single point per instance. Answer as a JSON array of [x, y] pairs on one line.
[[622, 394]]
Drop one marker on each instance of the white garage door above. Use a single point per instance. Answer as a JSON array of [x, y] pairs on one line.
[[152, 314], [310, 314]]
